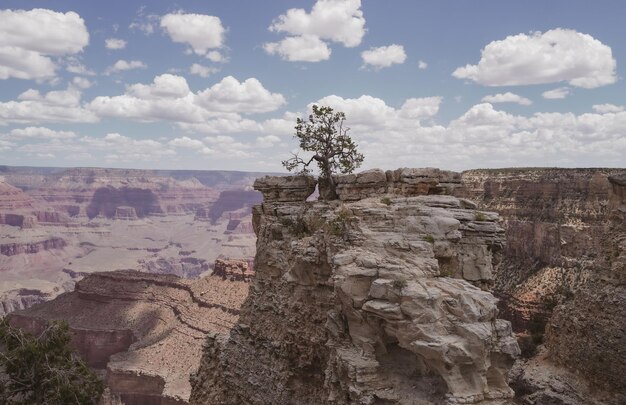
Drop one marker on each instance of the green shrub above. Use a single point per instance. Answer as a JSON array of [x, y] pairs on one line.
[[429, 238], [480, 216], [43, 369], [386, 200], [399, 284]]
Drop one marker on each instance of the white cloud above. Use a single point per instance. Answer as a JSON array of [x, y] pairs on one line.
[[507, 97], [186, 142], [422, 65], [306, 48], [607, 108], [74, 65], [554, 56], [40, 133], [249, 96], [556, 94], [334, 20], [122, 65], [384, 56], [114, 43], [81, 82], [202, 71], [216, 56], [169, 98], [29, 40], [338, 21], [55, 106], [201, 32]]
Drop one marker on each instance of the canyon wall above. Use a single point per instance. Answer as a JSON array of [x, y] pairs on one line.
[[145, 331], [57, 225], [365, 299], [587, 332], [555, 221]]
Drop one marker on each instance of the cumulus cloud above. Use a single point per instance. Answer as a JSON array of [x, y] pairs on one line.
[[556, 94], [169, 98], [383, 56], [31, 107], [554, 56], [122, 65], [40, 133], [481, 137], [339, 21], [422, 65], [29, 40], [249, 96], [202, 71], [201, 32], [507, 97], [81, 82], [306, 48], [607, 108], [114, 43]]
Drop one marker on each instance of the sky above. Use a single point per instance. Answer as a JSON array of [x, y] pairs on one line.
[[454, 84]]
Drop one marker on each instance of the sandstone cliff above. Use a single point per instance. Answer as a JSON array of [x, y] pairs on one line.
[[364, 300], [146, 331]]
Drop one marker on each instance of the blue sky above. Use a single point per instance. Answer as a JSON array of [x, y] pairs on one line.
[[219, 84]]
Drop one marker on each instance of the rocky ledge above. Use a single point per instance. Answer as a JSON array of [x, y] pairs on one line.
[[372, 298], [144, 331]]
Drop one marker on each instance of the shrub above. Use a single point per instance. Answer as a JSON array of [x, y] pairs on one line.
[[386, 200], [480, 216], [399, 284], [429, 238], [43, 369]]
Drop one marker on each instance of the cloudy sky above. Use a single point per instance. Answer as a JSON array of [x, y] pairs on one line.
[[455, 84]]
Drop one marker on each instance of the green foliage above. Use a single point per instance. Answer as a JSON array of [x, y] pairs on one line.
[[43, 369], [429, 238], [296, 227], [479, 216], [386, 200], [324, 135], [399, 284], [340, 225]]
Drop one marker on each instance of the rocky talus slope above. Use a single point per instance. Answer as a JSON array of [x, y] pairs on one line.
[[143, 331], [370, 299]]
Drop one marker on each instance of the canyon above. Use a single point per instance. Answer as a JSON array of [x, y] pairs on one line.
[[413, 287], [58, 225]]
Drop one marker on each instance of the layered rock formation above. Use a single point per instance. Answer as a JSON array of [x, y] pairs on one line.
[[586, 333], [233, 269], [146, 331], [61, 224], [555, 221], [363, 300]]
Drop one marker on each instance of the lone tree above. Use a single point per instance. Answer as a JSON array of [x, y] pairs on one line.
[[333, 150], [43, 369]]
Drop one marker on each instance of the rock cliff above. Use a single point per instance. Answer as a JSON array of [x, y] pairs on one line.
[[368, 299], [145, 331], [555, 221], [586, 333]]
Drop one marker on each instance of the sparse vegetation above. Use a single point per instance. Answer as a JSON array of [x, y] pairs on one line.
[[480, 216], [340, 225], [43, 369], [429, 238], [399, 284], [386, 200]]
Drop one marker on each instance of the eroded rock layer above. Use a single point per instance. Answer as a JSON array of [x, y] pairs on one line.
[[145, 330], [363, 300]]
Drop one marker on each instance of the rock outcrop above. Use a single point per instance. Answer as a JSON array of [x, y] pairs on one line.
[[363, 300], [12, 249], [146, 331], [233, 269]]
